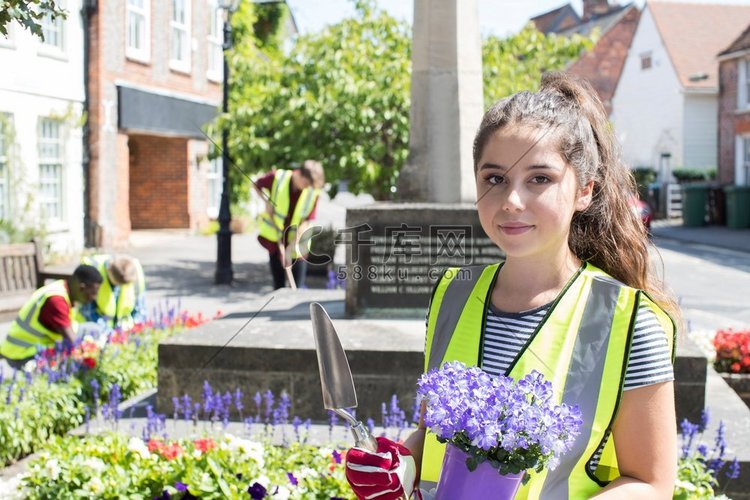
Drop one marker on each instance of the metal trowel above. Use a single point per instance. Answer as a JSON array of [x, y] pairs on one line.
[[336, 376]]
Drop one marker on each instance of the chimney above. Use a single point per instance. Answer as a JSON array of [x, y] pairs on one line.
[[594, 8]]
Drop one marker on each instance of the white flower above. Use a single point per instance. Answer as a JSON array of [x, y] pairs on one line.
[[282, 493], [52, 469], [262, 480], [95, 485], [306, 472], [325, 452], [30, 366], [12, 489], [95, 464], [138, 447], [247, 448]]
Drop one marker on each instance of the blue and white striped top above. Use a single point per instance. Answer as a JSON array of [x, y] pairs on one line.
[[505, 335]]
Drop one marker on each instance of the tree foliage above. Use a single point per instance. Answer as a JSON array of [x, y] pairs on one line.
[[340, 96], [517, 62], [28, 13]]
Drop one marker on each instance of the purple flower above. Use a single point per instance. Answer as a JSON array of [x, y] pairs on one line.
[[180, 486], [484, 414], [292, 479], [734, 469], [705, 417], [336, 456], [257, 491]]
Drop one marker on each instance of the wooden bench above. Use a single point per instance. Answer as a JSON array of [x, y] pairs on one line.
[[21, 272]]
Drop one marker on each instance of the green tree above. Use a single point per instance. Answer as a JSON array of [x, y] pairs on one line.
[[28, 13], [517, 62], [341, 96]]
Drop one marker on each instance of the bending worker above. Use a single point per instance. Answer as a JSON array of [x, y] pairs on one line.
[[291, 199], [121, 299], [47, 318]]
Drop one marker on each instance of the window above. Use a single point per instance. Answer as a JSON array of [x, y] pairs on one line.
[[54, 33], [215, 180], [743, 84], [180, 35], [50, 169], [4, 170], [646, 60], [138, 24], [215, 43]]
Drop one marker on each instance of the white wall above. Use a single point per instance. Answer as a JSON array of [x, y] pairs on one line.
[[647, 107], [701, 130], [37, 81]]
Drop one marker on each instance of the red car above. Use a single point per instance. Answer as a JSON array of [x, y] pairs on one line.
[[642, 210]]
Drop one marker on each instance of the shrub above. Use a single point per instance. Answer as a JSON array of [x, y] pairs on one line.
[[732, 351]]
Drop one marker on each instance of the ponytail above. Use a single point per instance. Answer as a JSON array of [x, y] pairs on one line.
[[608, 233]]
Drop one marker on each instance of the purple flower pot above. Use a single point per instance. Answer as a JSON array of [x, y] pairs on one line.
[[458, 482]]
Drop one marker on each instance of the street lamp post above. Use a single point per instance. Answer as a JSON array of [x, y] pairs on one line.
[[224, 273]]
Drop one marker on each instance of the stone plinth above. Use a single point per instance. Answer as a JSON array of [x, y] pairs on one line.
[[690, 380], [395, 253], [276, 351]]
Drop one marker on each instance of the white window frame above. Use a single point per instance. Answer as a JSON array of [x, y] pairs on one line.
[[742, 160], [180, 27], [214, 185], [5, 208], [54, 43], [215, 42], [141, 54], [743, 84], [51, 142]]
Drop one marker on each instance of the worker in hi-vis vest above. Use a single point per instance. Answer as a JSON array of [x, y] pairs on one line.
[[121, 299], [47, 317], [291, 198]]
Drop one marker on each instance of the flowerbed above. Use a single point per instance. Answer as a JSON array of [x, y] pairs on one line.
[[732, 351], [56, 393], [114, 465]]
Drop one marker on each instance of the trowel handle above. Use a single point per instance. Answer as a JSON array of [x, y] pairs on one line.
[[363, 439]]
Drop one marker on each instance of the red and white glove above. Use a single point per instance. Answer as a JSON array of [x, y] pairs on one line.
[[388, 474]]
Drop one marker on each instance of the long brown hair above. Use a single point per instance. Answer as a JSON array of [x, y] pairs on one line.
[[608, 233]]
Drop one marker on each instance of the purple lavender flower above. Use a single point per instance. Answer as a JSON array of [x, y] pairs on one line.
[[268, 401], [734, 469], [258, 400], [176, 406], [370, 426], [705, 417], [238, 402], [207, 397], [336, 456], [187, 404]]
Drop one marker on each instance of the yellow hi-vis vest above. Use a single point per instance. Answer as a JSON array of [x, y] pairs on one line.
[[114, 311], [272, 228], [27, 335], [581, 346]]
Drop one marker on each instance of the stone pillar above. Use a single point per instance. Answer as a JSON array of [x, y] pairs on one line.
[[446, 102]]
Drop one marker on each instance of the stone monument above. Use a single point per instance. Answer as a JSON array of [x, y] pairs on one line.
[[396, 251]]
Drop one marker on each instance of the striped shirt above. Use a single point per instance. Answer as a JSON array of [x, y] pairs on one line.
[[505, 335]]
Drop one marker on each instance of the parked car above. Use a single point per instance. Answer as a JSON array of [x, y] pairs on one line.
[[642, 210]]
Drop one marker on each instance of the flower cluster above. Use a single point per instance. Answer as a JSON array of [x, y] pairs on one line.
[[700, 465], [732, 351], [515, 426]]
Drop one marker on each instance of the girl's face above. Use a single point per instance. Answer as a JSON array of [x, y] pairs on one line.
[[527, 194]]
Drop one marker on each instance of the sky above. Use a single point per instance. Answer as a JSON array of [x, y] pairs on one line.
[[496, 17]]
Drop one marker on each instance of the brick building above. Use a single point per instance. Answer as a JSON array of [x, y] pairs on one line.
[[153, 82], [734, 112], [616, 24]]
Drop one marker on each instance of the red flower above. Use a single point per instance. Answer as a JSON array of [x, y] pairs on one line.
[[155, 445], [204, 445], [171, 451], [735, 367], [89, 362]]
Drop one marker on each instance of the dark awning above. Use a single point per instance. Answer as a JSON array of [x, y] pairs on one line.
[[143, 111]]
